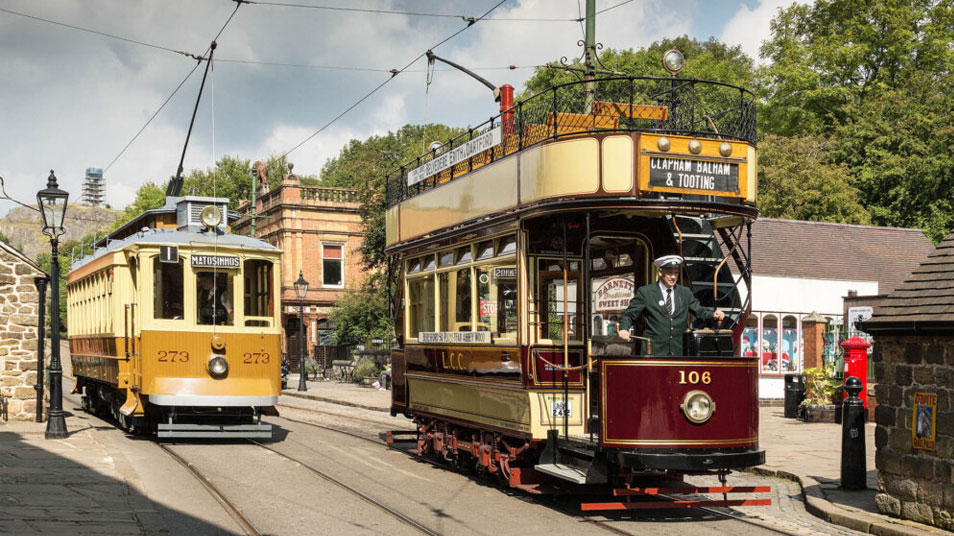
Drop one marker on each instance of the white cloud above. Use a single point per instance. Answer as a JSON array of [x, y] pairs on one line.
[[748, 28]]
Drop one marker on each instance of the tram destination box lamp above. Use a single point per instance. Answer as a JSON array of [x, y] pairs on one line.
[[52, 202], [301, 289]]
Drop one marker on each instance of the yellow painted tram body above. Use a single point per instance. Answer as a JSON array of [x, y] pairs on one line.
[[175, 327]]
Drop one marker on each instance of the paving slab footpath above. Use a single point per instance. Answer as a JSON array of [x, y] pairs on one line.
[[808, 453]]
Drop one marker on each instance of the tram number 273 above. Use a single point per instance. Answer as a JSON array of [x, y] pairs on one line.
[[693, 377]]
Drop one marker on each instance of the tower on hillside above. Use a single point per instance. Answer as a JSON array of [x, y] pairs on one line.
[[94, 188]]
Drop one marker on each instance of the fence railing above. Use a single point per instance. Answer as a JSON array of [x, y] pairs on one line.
[[672, 106]]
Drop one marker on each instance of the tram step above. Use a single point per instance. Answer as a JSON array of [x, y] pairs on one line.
[[564, 472]]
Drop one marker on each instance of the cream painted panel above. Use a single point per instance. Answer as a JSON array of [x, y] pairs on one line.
[[618, 162], [488, 190], [752, 192], [507, 408], [559, 169], [391, 224]]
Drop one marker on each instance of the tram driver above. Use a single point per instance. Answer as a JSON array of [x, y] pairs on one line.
[[665, 307], [214, 299]]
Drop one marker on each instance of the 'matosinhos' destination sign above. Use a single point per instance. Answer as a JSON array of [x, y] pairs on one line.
[[693, 174], [454, 156]]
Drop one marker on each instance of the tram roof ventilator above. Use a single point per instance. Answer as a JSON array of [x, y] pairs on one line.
[[189, 208]]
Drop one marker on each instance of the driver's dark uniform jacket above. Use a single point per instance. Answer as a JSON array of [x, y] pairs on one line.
[[664, 330]]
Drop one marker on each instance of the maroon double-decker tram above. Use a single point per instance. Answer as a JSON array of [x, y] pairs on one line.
[[519, 244]]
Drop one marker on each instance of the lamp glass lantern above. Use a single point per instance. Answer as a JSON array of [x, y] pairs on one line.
[[301, 286], [52, 202]]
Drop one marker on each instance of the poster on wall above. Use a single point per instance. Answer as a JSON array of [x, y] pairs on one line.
[[611, 296], [924, 421]]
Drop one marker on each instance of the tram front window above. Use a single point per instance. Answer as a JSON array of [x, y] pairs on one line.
[[497, 309], [214, 298], [560, 303], [167, 282]]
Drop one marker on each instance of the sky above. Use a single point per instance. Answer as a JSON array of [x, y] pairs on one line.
[[70, 99]]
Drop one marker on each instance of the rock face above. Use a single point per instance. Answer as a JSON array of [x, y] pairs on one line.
[[24, 227], [19, 308]]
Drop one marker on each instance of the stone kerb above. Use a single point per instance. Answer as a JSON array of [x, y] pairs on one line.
[[915, 484], [18, 336]]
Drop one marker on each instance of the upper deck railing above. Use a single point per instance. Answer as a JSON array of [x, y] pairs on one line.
[[673, 106]]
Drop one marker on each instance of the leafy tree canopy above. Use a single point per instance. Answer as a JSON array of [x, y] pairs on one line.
[[363, 165], [832, 55], [799, 181], [705, 60]]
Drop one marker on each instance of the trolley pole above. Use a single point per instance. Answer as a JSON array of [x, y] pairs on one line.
[[589, 54]]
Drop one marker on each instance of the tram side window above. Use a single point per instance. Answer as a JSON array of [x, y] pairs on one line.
[[214, 298], [167, 299], [420, 305], [497, 292], [456, 300], [551, 295], [258, 287]]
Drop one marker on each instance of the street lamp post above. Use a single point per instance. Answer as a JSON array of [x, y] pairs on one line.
[[52, 202], [301, 289]]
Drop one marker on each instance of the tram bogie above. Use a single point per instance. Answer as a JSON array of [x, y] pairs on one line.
[[174, 325]]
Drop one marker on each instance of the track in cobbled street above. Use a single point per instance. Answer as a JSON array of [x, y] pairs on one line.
[[786, 516]]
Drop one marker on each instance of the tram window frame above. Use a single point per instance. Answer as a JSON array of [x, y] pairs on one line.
[[229, 276], [160, 302], [416, 322], [255, 291], [441, 292], [549, 268]]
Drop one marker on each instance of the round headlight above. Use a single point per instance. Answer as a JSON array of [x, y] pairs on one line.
[[673, 61], [218, 365], [698, 406]]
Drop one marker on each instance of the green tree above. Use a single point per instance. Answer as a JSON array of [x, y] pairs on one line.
[[363, 166], [798, 180], [705, 60], [362, 314], [833, 54]]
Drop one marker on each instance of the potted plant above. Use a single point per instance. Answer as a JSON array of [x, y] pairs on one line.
[[366, 373], [820, 386]]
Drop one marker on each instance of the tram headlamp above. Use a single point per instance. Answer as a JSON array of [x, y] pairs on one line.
[[697, 406], [673, 61], [210, 216], [218, 365]]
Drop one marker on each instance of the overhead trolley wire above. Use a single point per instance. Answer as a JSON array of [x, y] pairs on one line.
[[97, 32], [466, 18], [199, 61], [394, 73], [368, 69]]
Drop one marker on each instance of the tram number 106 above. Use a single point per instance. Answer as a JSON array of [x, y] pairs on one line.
[[693, 377]]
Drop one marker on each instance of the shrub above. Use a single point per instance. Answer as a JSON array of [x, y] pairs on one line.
[[820, 387], [365, 369]]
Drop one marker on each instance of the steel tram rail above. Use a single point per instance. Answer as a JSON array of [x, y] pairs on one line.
[[227, 505], [598, 523], [367, 498]]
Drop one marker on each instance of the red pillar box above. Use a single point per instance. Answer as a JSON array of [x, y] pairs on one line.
[[856, 363]]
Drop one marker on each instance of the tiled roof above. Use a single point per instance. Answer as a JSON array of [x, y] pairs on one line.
[[927, 296], [790, 248]]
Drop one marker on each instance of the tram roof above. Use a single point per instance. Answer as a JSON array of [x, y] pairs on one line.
[[173, 237]]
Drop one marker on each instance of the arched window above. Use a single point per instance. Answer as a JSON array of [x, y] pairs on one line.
[[750, 336], [769, 344], [791, 349]]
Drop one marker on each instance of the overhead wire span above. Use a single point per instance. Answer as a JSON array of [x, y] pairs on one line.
[[394, 73], [368, 69], [467, 18], [604, 10], [97, 32], [199, 60]]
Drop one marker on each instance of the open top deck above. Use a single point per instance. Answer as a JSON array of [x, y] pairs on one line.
[[645, 141]]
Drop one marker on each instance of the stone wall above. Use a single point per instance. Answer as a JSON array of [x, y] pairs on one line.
[[19, 307], [914, 484]]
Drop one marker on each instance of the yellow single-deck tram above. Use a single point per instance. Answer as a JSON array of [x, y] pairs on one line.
[[174, 324]]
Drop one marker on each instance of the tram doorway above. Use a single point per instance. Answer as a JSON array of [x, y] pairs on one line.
[[618, 266]]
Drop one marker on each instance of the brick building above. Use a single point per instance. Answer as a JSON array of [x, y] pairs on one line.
[[19, 309], [913, 329], [319, 230]]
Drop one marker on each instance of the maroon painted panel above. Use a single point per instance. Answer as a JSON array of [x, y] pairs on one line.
[[398, 382], [491, 362], [641, 399]]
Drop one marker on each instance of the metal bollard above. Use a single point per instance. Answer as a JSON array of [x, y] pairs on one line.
[[853, 459]]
